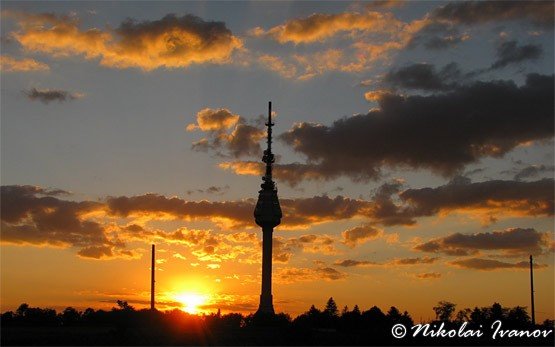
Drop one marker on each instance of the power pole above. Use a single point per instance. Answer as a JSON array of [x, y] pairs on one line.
[[532, 290], [152, 268]]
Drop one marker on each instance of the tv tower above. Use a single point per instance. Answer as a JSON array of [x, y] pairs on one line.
[[267, 215]]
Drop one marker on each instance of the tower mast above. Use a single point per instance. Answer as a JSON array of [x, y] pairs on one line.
[[152, 269], [267, 215], [532, 290]]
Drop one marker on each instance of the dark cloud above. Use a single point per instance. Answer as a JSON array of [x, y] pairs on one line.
[[423, 76], [383, 4], [392, 262], [513, 242], [237, 211], [539, 13], [484, 119], [437, 35], [533, 171], [351, 263], [511, 53], [428, 275], [38, 216], [358, 235], [215, 190], [527, 198], [48, 95], [490, 264], [32, 215]]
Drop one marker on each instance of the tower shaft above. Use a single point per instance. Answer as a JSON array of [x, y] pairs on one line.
[[266, 298]]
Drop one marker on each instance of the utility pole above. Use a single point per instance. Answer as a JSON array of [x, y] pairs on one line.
[[152, 268], [532, 290]]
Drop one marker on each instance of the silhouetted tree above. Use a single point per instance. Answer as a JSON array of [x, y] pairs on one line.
[[463, 315], [123, 305], [345, 310], [331, 308], [444, 310], [517, 316], [70, 316], [497, 312]]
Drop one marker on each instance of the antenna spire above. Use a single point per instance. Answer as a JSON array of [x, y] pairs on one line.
[[268, 157]]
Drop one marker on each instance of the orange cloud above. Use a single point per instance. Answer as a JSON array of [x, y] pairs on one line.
[[10, 64], [170, 42], [318, 26], [228, 134], [358, 235], [292, 275], [376, 95], [214, 120], [428, 275]]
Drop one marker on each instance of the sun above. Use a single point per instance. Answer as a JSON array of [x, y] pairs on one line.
[[191, 301]]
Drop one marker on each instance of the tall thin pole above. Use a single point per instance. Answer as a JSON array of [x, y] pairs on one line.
[[532, 290], [152, 268]]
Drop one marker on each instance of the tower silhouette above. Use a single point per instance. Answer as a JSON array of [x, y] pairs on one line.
[[267, 215]]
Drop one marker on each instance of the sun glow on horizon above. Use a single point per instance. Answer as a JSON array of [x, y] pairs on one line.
[[191, 301]]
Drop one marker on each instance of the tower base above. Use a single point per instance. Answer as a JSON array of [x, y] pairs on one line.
[[266, 305]]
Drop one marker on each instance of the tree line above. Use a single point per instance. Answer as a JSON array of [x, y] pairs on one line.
[[124, 324]]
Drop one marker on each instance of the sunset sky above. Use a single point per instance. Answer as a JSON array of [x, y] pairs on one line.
[[414, 144]]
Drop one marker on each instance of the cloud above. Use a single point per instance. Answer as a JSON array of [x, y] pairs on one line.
[[284, 248], [37, 216], [372, 36], [391, 205], [10, 64], [293, 275], [361, 234], [539, 13], [383, 4], [428, 275], [217, 120], [291, 173], [490, 264], [319, 26], [34, 216], [352, 263], [48, 95], [216, 190], [511, 53], [228, 134], [496, 196], [279, 65], [484, 119], [423, 76], [437, 35], [170, 42], [392, 262], [516, 242], [533, 171]]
